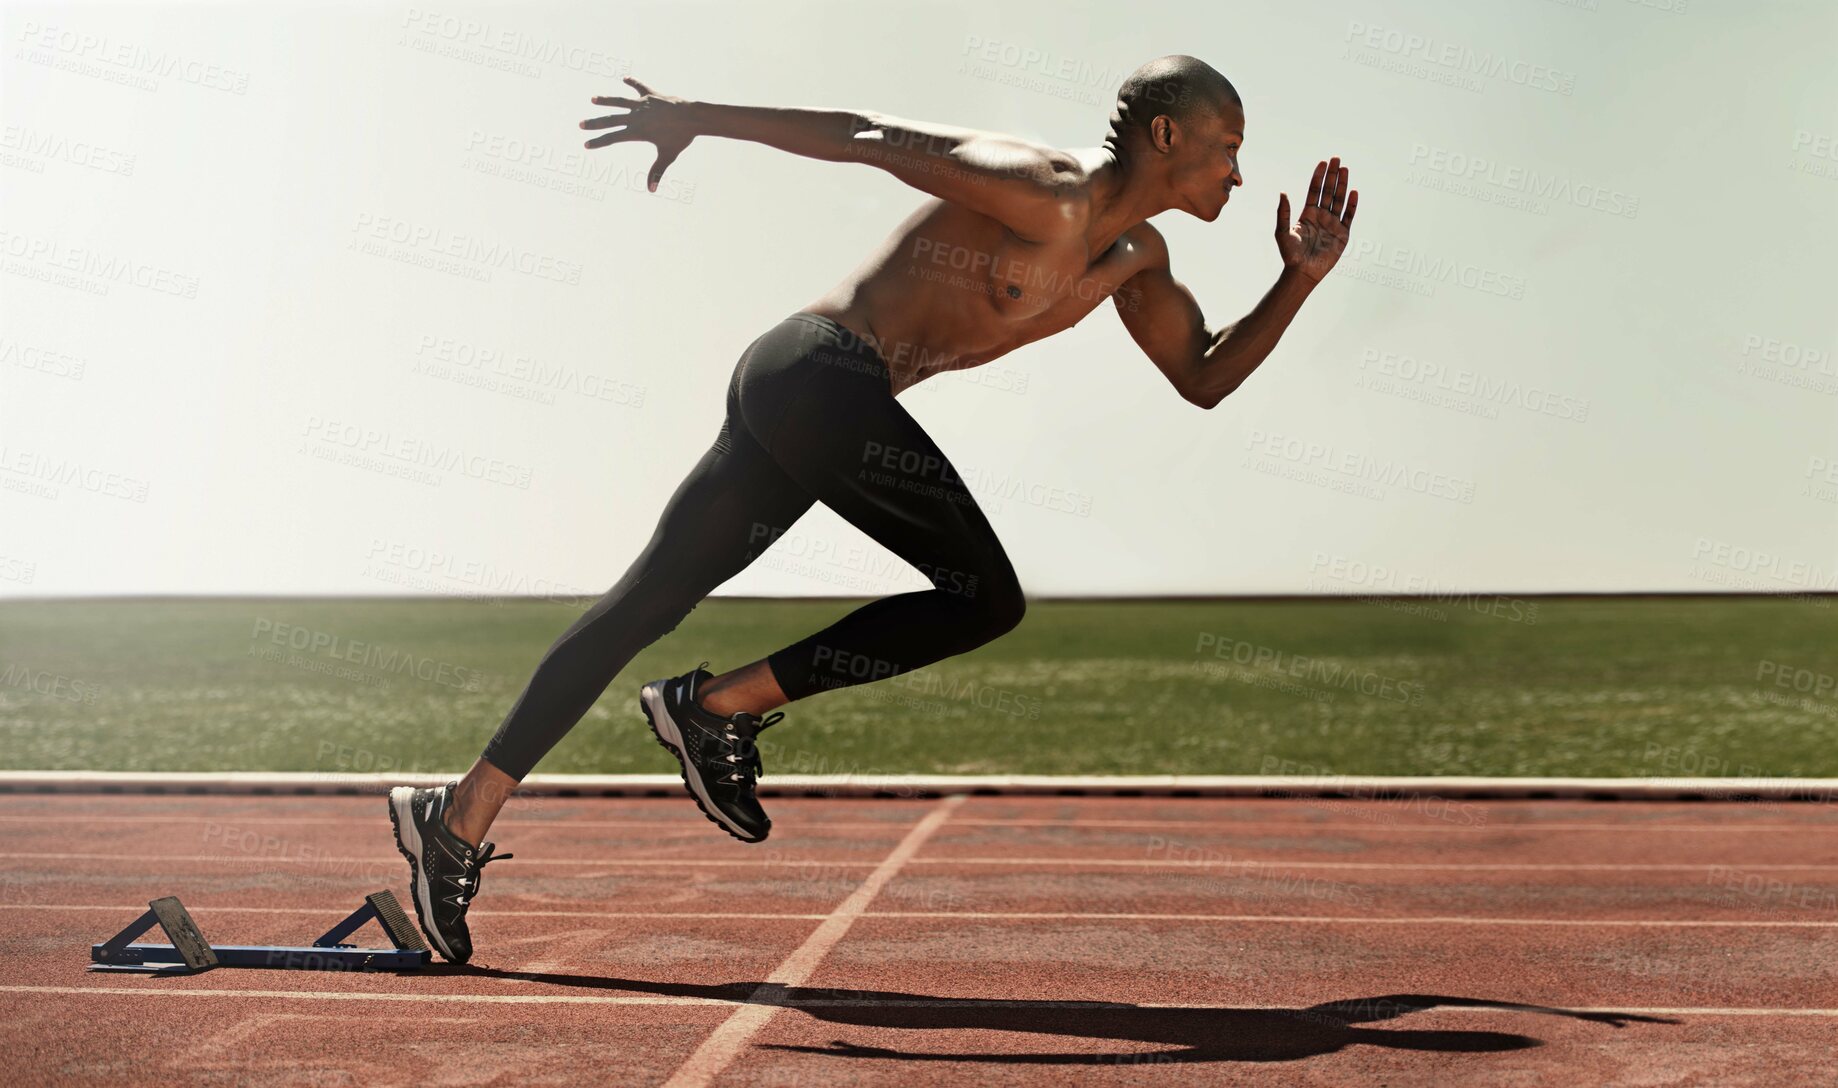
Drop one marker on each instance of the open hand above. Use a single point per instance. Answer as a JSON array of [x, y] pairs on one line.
[[655, 119], [1316, 241]]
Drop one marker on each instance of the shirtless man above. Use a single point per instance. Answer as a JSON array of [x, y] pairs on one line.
[[1017, 243]]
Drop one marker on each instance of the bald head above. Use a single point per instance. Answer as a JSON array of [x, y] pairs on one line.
[[1182, 87], [1175, 135]]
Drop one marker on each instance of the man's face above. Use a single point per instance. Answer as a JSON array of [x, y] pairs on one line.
[[1204, 167]]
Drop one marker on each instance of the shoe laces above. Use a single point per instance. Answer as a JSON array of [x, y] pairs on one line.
[[743, 748], [468, 880]]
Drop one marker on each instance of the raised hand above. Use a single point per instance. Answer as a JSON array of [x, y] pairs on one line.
[[655, 119], [1320, 235]]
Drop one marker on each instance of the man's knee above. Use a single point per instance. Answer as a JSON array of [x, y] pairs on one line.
[[999, 604]]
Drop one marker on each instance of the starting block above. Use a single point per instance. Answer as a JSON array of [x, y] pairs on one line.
[[190, 953]]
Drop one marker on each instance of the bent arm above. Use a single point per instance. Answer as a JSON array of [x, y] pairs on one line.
[[1204, 366], [1029, 188]]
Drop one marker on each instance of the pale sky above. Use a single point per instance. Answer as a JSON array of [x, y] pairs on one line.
[[316, 299]]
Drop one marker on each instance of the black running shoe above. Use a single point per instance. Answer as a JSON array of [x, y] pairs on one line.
[[719, 755], [443, 868]]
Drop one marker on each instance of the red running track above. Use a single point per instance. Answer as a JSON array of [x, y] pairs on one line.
[[989, 940]]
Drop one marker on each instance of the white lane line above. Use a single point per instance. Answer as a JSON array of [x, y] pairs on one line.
[[230, 821], [1108, 863], [720, 1049], [339, 995], [1023, 916], [673, 829], [1323, 919], [1381, 866], [258, 858], [751, 916], [924, 1003], [1249, 826], [819, 824]]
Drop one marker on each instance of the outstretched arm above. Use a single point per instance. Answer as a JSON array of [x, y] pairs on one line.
[[1029, 188], [1206, 366]]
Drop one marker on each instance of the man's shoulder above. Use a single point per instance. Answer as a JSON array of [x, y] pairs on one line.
[[1142, 246]]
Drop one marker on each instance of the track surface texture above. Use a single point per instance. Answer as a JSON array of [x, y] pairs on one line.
[[980, 940]]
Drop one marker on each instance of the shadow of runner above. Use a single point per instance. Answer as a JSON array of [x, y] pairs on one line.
[[1197, 1034]]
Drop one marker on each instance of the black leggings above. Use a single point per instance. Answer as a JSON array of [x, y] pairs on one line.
[[810, 417]]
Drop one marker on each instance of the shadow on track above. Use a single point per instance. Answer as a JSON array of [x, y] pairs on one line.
[[1196, 1034]]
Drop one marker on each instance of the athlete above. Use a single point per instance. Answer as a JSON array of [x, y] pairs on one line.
[[1017, 242]]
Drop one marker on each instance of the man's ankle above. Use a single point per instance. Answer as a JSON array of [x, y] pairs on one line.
[[446, 821]]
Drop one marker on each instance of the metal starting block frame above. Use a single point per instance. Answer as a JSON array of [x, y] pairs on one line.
[[190, 953]]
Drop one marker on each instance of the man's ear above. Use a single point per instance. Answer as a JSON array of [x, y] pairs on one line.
[[1162, 133]]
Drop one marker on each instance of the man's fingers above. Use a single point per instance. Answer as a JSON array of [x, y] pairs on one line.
[[1282, 213], [609, 121], [1340, 192], [1314, 185], [664, 159], [1352, 206], [1330, 183], [637, 86], [614, 137], [614, 100]]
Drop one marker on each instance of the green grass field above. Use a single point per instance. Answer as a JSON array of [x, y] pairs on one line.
[[1653, 687]]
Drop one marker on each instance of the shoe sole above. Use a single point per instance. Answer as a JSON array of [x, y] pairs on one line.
[[408, 841], [664, 728]]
